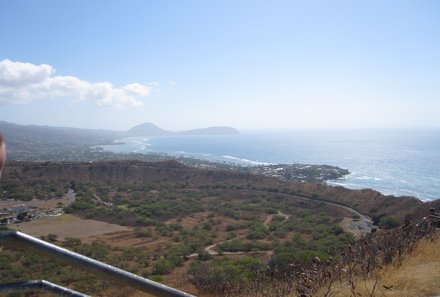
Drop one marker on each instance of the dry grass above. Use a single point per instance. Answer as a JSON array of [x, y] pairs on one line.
[[418, 275], [67, 226]]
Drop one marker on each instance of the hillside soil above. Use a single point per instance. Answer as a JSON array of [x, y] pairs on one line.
[[417, 275]]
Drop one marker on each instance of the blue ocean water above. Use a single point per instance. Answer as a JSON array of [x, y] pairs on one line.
[[395, 162]]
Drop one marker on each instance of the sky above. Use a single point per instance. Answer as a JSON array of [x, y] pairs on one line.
[[249, 64]]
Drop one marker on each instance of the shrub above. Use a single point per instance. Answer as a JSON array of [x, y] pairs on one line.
[[204, 255], [162, 266], [388, 223], [141, 232]]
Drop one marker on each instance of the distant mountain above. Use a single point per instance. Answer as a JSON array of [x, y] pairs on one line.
[[149, 129], [32, 142], [210, 131], [146, 129], [17, 134]]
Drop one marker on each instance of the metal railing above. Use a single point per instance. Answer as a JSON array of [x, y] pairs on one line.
[[39, 285], [19, 240]]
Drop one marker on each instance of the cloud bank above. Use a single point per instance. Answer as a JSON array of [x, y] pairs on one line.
[[24, 82]]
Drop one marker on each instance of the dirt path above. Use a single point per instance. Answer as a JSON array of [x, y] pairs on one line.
[[211, 248], [269, 218], [359, 224], [212, 252]]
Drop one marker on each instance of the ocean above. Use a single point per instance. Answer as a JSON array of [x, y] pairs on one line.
[[393, 162]]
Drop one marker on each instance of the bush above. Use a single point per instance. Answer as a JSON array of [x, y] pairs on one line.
[[336, 230], [225, 275], [162, 266], [52, 237], [388, 223], [258, 231], [157, 278], [71, 242], [204, 255], [141, 232]]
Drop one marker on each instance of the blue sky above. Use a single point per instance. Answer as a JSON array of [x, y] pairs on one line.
[[247, 64]]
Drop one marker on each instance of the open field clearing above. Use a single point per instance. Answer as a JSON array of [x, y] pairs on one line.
[[67, 225]]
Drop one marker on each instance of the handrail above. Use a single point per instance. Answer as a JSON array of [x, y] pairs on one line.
[[16, 239], [40, 285]]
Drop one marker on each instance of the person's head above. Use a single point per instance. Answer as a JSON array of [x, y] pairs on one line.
[[2, 154]]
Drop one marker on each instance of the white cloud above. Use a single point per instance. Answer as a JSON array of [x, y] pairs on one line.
[[172, 82], [25, 82], [17, 73], [137, 89]]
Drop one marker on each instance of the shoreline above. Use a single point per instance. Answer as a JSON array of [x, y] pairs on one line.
[[336, 177], [271, 170]]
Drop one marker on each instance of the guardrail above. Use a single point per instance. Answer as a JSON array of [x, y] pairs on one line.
[[19, 240], [39, 285]]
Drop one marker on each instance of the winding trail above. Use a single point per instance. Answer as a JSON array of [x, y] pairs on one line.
[[269, 218], [359, 224], [211, 248]]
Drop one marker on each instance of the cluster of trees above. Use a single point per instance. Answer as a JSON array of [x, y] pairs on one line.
[[130, 206], [15, 189]]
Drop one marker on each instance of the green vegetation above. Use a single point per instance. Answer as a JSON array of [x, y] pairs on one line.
[[176, 212], [388, 223], [238, 245], [227, 273], [19, 265]]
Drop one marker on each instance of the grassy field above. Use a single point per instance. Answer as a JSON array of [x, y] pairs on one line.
[[67, 225]]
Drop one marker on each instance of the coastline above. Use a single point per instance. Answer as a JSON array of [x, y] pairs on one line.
[[399, 164], [344, 177]]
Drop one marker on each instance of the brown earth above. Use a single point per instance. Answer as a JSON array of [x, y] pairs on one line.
[[66, 225], [416, 276]]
